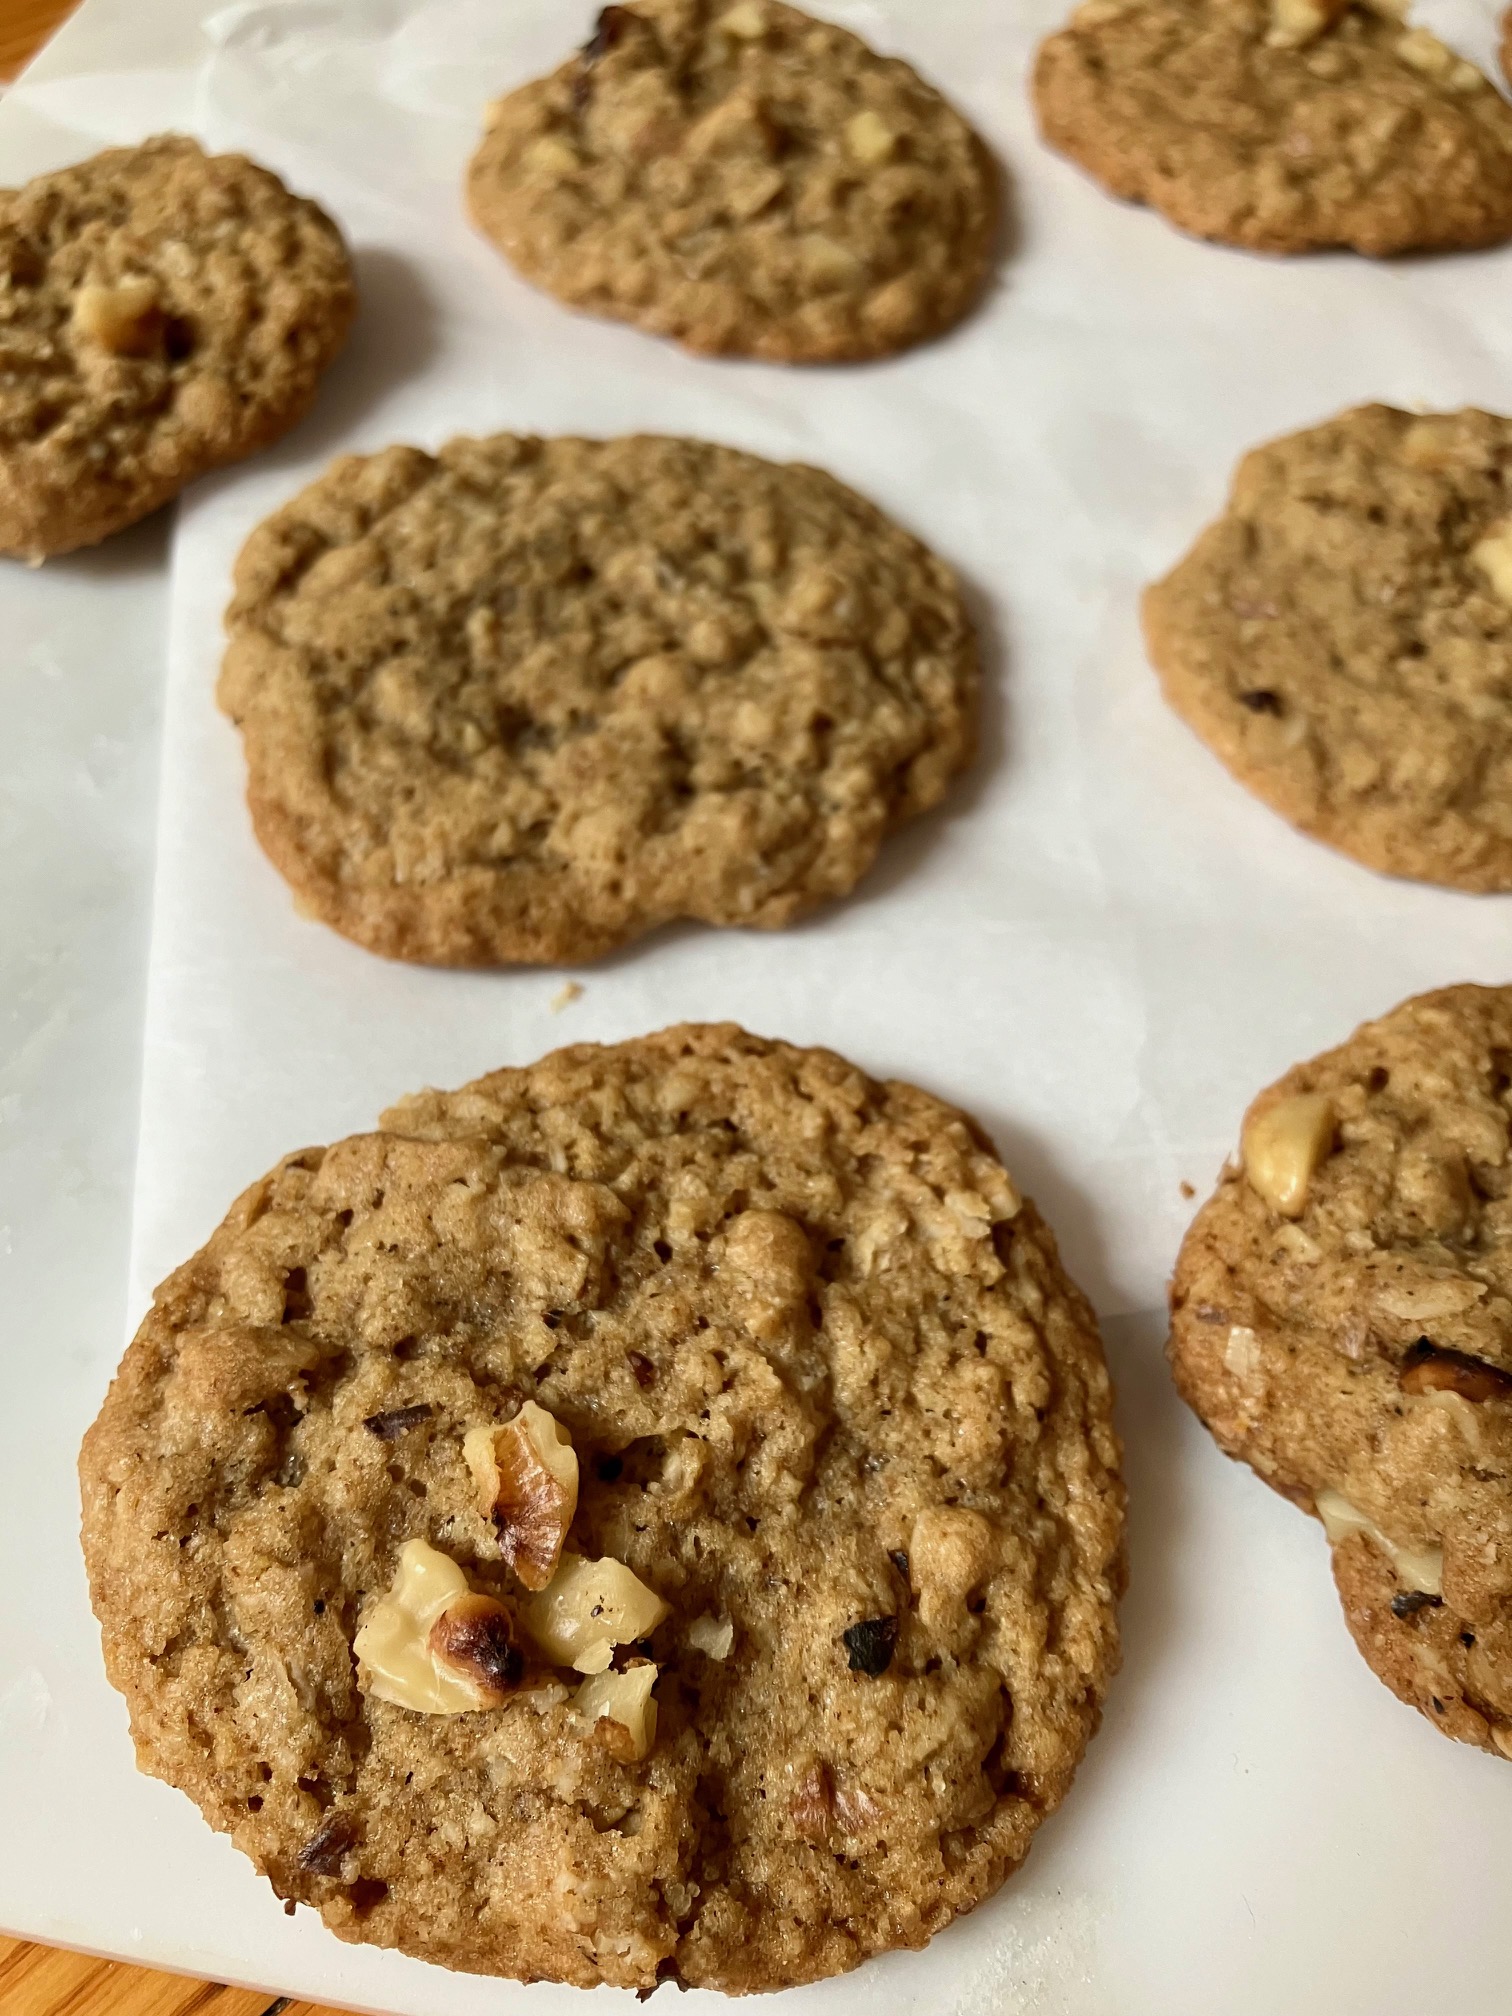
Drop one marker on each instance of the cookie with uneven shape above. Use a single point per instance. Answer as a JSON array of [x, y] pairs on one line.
[[162, 311], [1341, 639], [1341, 1319], [525, 700], [744, 179], [834, 1611], [1282, 125]]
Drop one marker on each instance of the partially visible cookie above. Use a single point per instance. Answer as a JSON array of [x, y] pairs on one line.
[[525, 700], [650, 1516], [162, 311], [1341, 1319], [1341, 638], [743, 178], [1282, 125]]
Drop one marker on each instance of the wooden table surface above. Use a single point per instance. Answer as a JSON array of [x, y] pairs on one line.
[[39, 1980]]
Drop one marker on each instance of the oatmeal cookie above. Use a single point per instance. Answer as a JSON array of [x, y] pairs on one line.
[[1281, 125], [1341, 638], [744, 179], [162, 311], [1341, 1319], [524, 700], [701, 1366]]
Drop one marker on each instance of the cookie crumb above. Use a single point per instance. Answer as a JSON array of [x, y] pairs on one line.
[[566, 994]]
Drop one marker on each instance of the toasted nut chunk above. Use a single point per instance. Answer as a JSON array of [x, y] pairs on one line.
[[713, 1636], [812, 1806], [1492, 553], [1418, 1568], [621, 1709], [1284, 1145], [1423, 51], [588, 1608], [1295, 23], [746, 22], [126, 320], [1427, 1369], [1501, 1736], [551, 155], [527, 1478], [431, 1644], [869, 139]]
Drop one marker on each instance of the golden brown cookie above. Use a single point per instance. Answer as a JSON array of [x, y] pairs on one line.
[[743, 178], [1341, 1318], [1341, 638], [650, 1515], [162, 311], [525, 700], [1282, 125]]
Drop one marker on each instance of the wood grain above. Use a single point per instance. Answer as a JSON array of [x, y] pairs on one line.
[[24, 26]]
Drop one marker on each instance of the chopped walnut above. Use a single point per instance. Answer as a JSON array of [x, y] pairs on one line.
[[1492, 554], [1417, 1568], [713, 1636], [869, 139], [587, 1609], [527, 1478], [621, 1709], [812, 1806], [1428, 1369], [1295, 23], [433, 1645], [127, 319], [1284, 1145]]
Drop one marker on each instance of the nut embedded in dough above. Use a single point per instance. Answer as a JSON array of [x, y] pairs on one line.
[[433, 1645], [127, 319], [1492, 553], [588, 1608], [621, 1709], [1284, 1145], [527, 1478]]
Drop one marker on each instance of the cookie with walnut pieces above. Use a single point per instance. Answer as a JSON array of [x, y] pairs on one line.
[[1341, 638], [651, 1515], [745, 179], [1341, 1319], [1282, 125], [525, 700], [162, 311]]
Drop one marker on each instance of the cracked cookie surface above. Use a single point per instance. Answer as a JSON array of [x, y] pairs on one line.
[[1341, 639], [1341, 1319], [743, 178], [162, 311], [834, 1401], [525, 700], [1281, 125]]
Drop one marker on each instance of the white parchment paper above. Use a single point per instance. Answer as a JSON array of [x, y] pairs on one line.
[[1101, 947]]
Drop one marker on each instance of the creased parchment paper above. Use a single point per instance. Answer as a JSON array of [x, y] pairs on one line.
[[1101, 947]]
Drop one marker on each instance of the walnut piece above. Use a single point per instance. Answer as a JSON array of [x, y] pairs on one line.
[[127, 319], [588, 1608], [869, 139], [1284, 1145], [621, 1709], [1492, 553], [1417, 1568], [1424, 52], [747, 22], [713, 1636], [1295, 23], [433, 1645], [1428, 1369], [527, 1478]]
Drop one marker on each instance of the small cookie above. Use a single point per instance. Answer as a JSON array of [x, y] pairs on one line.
[[744, 179], [1341, 638], [162, 311], [1281, 125], [525, 700], [650, 1515], [1341, 1319]]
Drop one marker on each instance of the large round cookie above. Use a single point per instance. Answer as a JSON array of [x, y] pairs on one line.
[[162, 311], [1341, 1318], [833, 1401], [1341, 638], [743, 178], [525, 700], [1281, 125]]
